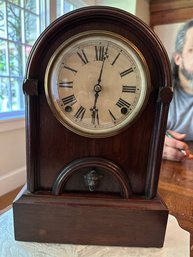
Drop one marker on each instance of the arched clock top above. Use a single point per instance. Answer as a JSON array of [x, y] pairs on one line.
[[110, 19]]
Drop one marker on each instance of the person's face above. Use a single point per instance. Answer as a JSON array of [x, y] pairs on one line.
[[185, 59]]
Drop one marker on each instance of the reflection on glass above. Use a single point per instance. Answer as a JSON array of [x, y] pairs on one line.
[[4, 95], [3, 58], [15, 59], [31, 28], [14, 22]]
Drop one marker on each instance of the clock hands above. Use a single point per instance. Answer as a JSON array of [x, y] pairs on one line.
[[94, 110], [97, 88], [101, 71]]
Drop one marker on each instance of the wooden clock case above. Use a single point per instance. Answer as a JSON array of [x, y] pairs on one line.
[[100, 191]]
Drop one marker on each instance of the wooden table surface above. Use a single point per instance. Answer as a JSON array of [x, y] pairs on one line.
[[176, 189]]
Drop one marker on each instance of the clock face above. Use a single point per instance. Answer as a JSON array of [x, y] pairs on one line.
[[97, 83]]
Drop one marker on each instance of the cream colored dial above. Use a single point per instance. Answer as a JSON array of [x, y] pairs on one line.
[[97, 84]]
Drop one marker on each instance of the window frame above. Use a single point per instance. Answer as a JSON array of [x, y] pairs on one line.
[[42, 22], [48, 7]]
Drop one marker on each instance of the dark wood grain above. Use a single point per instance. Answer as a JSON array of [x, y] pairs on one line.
[[176, 189], [82, 220], [138, 149], [167, 12]]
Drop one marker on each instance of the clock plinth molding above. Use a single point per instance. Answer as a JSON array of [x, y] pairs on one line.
[[86, 220], [95, 190]]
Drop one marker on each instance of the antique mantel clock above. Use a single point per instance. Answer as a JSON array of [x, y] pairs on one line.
[[97, 95]]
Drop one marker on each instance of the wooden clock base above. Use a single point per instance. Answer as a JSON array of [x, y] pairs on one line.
[[92, 221]]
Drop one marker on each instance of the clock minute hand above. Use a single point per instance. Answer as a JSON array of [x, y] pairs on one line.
[[101, 71]]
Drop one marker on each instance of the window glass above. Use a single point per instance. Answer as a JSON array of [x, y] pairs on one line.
[[15, 59], [27, 51], [21, 22], [17, 100], [14, 23], [68, 6], [19, 28], [3, 58], [31, 28], [4, 95], [2, 19], [31, 5], [64, 6], [18, 2]]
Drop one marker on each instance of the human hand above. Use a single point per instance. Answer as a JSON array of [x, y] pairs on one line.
[[174, 147]]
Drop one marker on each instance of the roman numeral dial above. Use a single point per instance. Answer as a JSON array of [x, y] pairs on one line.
[[99, 52], [82, 56], [98, 84], [80, 113], [129, 89], [69, 100], [121, 103], [70, 68], [116, 58], [126, 72], [112, 116], [66, 84]]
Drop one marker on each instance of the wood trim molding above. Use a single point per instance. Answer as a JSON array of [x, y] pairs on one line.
[[12, 180], [167, 12], [7, 199], [11, 124]]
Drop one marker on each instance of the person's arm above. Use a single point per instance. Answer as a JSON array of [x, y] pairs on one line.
[[174, 147]]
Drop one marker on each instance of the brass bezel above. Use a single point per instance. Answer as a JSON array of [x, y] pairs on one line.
[[86, 132]]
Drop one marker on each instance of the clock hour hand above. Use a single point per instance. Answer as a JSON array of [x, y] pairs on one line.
[[95, 116], [94, 110]]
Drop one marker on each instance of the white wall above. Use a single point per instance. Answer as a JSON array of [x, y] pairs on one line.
[[12, 132], [167, 34], [127, 5], [90, 2], [12, 155], [140, 8]]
